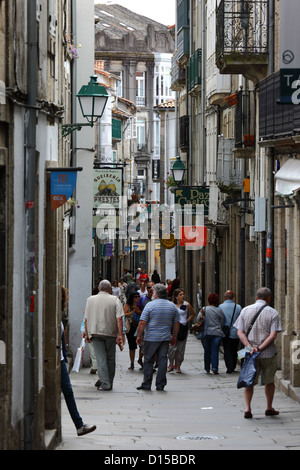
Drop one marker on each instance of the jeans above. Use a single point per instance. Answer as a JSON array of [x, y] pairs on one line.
[[150, 349], [211, 345], [105, 350], [67, 391]]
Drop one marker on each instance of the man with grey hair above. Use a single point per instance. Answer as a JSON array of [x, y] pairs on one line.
[[160, 324], [260, 338], [104, 327]]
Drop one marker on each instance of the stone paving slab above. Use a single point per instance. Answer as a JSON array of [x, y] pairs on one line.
[[206, 409]]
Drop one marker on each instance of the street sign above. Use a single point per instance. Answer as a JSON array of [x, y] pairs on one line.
[[191, 196]]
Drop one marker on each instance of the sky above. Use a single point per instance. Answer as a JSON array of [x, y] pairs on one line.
[[162, 11]]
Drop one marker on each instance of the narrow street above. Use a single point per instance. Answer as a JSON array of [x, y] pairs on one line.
[[197, 411]]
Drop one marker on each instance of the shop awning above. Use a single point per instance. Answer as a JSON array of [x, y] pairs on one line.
[[288, 177]]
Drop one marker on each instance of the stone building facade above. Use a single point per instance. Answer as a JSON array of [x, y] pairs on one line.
[[241, 143], [35, 69]]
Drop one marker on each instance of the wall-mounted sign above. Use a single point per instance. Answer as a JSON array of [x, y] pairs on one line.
[[155, 169], [108, 183]]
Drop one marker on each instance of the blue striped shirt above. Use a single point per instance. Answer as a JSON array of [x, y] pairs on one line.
[[160, 314]]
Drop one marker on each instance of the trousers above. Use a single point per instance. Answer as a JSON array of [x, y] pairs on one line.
[[67, 391], [105, 350], [150, 349], [211, 345]]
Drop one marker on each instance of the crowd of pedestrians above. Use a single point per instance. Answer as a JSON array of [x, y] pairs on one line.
[[155, 319]]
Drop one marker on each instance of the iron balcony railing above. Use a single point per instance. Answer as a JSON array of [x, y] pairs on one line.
[[245, 119], [242, 27]]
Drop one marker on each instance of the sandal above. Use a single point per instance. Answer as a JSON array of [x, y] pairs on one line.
[[271, 412], [170, 368], [131, 366], [178, 371]]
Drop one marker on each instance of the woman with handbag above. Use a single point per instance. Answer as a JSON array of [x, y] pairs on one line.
[[132, 319], [186, 315], [214, 324]]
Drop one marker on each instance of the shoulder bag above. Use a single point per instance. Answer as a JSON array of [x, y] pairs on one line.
[[226, 328]]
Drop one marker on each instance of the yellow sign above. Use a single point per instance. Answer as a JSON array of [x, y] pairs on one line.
[[169, 243]]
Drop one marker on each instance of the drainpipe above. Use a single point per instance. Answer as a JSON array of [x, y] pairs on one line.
[[271, 161], [30, 198], [203, 57]]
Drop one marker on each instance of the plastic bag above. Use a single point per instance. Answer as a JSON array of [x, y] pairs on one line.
[[248, 371], [79, 356]]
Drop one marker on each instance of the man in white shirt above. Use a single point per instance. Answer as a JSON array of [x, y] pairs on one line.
[[104, 327], [261, 338]]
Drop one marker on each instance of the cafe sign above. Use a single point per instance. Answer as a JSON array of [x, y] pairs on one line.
[[189, 197]]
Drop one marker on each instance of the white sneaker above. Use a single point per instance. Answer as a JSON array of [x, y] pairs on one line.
[[85, 429]]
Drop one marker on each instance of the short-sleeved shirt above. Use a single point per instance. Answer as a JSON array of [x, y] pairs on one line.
[[160, 314], [101, 312], [267, 322], [228, 308]]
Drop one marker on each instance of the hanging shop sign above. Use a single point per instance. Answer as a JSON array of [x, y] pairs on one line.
[[188, 197], [169, 243], [192, 236], [62, 185], [107, 187]]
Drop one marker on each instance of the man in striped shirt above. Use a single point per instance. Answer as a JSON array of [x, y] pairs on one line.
[[261, 338], [160, 324]]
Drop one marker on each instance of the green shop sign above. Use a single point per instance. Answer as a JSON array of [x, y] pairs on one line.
[[191, 196]]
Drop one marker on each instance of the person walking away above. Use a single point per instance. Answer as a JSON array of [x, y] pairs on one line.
[[67, 390], [186, 315], [261, 338], [130, 311], [214, 323], [142, 302], [104, 326], [160, 324], [231, 311], [155, 277]]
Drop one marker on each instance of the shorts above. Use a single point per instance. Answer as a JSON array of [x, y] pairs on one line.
[[267, 368]]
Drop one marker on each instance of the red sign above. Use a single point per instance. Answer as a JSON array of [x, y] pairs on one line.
[[193, 236]]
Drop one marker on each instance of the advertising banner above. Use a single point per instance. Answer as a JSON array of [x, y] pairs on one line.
[[62, 186]]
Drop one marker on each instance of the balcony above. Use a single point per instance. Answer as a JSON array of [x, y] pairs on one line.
[[245, 124], [178, 76], [279, 122], [183, 45], [243, 38]]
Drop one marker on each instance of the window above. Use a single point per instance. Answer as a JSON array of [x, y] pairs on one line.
[[141, 132], [140, 89]]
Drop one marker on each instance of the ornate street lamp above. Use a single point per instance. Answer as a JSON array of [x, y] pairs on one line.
[[92, 99], [178, 170]]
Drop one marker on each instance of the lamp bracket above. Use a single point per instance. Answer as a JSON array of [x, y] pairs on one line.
[[69, 128]]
